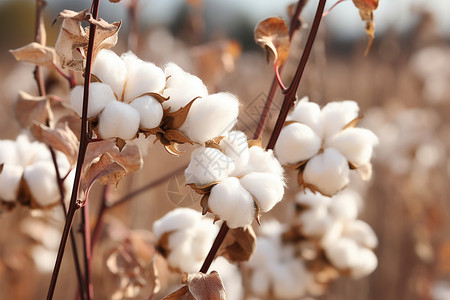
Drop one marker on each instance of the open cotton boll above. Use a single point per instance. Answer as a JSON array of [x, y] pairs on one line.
[[311, 199], [8, 152], [328, 171], [361, 233], [365, 264], [40, 178], [27, 151], [307, 113], [181, 87], [232, 203], [208, 165], [264, 161], [235, 146], [231, 278], [176, 219], [44, 258], [68, 184], [335, 115], [356, 144], [268, 189], [63, 163], [111, 70], [118, 120], [344, 206], [211, 117], [297, 142], [9, 182], [150, 111], [143, 77], [100, 95], [343, 254], [315, 221], [290, 279]]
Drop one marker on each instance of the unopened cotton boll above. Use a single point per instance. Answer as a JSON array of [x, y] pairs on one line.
[[335, 115], [211, 117], [232, 203], [356, 144], [307, 113], [181, 87], [119, 120], [41, 180], [297, 142], [268, 189], [328, 171], [9, 182], [264, 161], [99, 96], [111, 70], [235, 146], [150, 111], [208, 165]]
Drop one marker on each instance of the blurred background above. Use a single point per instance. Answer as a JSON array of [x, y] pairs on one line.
[[402, 87]]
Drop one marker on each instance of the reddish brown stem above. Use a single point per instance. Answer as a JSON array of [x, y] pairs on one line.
[[73, 206], [86, 233]]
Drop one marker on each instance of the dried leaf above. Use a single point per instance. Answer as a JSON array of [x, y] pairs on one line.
[[366, 8], [106, 170], [173, 120], [202, 189], [180, 294], [273, 35], [353, 123], [366, 4], [1, 167], [239, 245], [158, 97], [60, 138], [203, 203], [172, 149], [120, 143], [200, 286], [257, 143], [37, 54], [177, 137], [29, 109]]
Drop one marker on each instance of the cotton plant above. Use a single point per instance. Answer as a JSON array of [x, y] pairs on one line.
[[28, 174], [324, 145], [239, 179]]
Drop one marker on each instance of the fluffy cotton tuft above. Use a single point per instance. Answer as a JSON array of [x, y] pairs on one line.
[[99, 96], [111, 70], [9, 182], [307, 113], [150, 111], [264, 161], [335, 115], [235, 146], [41, 180], [268, 189], [119, 120], [210, 117]]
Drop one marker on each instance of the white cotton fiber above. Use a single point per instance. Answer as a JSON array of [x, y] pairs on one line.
[[231, 278], [344, 206], [100, 95], [365, 263], [181, 87], [311, 199], [176, 219], [119, 120], [260, 282], [307, 113], [232, 203], [361, 233], [150, 111], [343, 253], [41, 180], [290, 279], [111, 70], [335, 115], [9, 182], [143, 77], [315, 221], [356, 144], [328, 171], [268, 189], [235, 146], [210, 117], [208, 165], [261, 160], [297, 142]]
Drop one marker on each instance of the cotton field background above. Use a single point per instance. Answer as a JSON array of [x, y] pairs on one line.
[[399, 217]]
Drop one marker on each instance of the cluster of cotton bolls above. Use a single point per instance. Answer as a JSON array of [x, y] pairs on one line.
[[325, 144], [241, 180], [28, 167], [346, 241], [134, 95]]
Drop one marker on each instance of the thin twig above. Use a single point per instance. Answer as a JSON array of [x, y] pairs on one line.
[[74, 205], [86, 233]]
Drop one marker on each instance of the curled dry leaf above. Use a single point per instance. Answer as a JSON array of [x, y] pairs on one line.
[[36, 54], [29, 109], [239, 244], [200, 286], [273, 35], [366, 8], [73, 36]]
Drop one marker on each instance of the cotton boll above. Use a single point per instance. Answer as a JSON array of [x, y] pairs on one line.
[[344, 206], [68, 184], [312, 199], [119, 120], [150, 110], [180, 256], [40, 152], [290, 280], [111, 70], [264, 161], [361, 233], [99, 96], [307, 113], [41, 180], [176, 219], [181, 87], [328, 171], [268, 189], [232, 203], [356, 144], [333, 234], [208, 165], [365, 264], [9, 182], [211, 117], [235, 146], [44, 258], [27, 152], [231, 278], [143, 77], [343, 254], [315, 221], [297, 142], [335, 115], [8, 152]]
